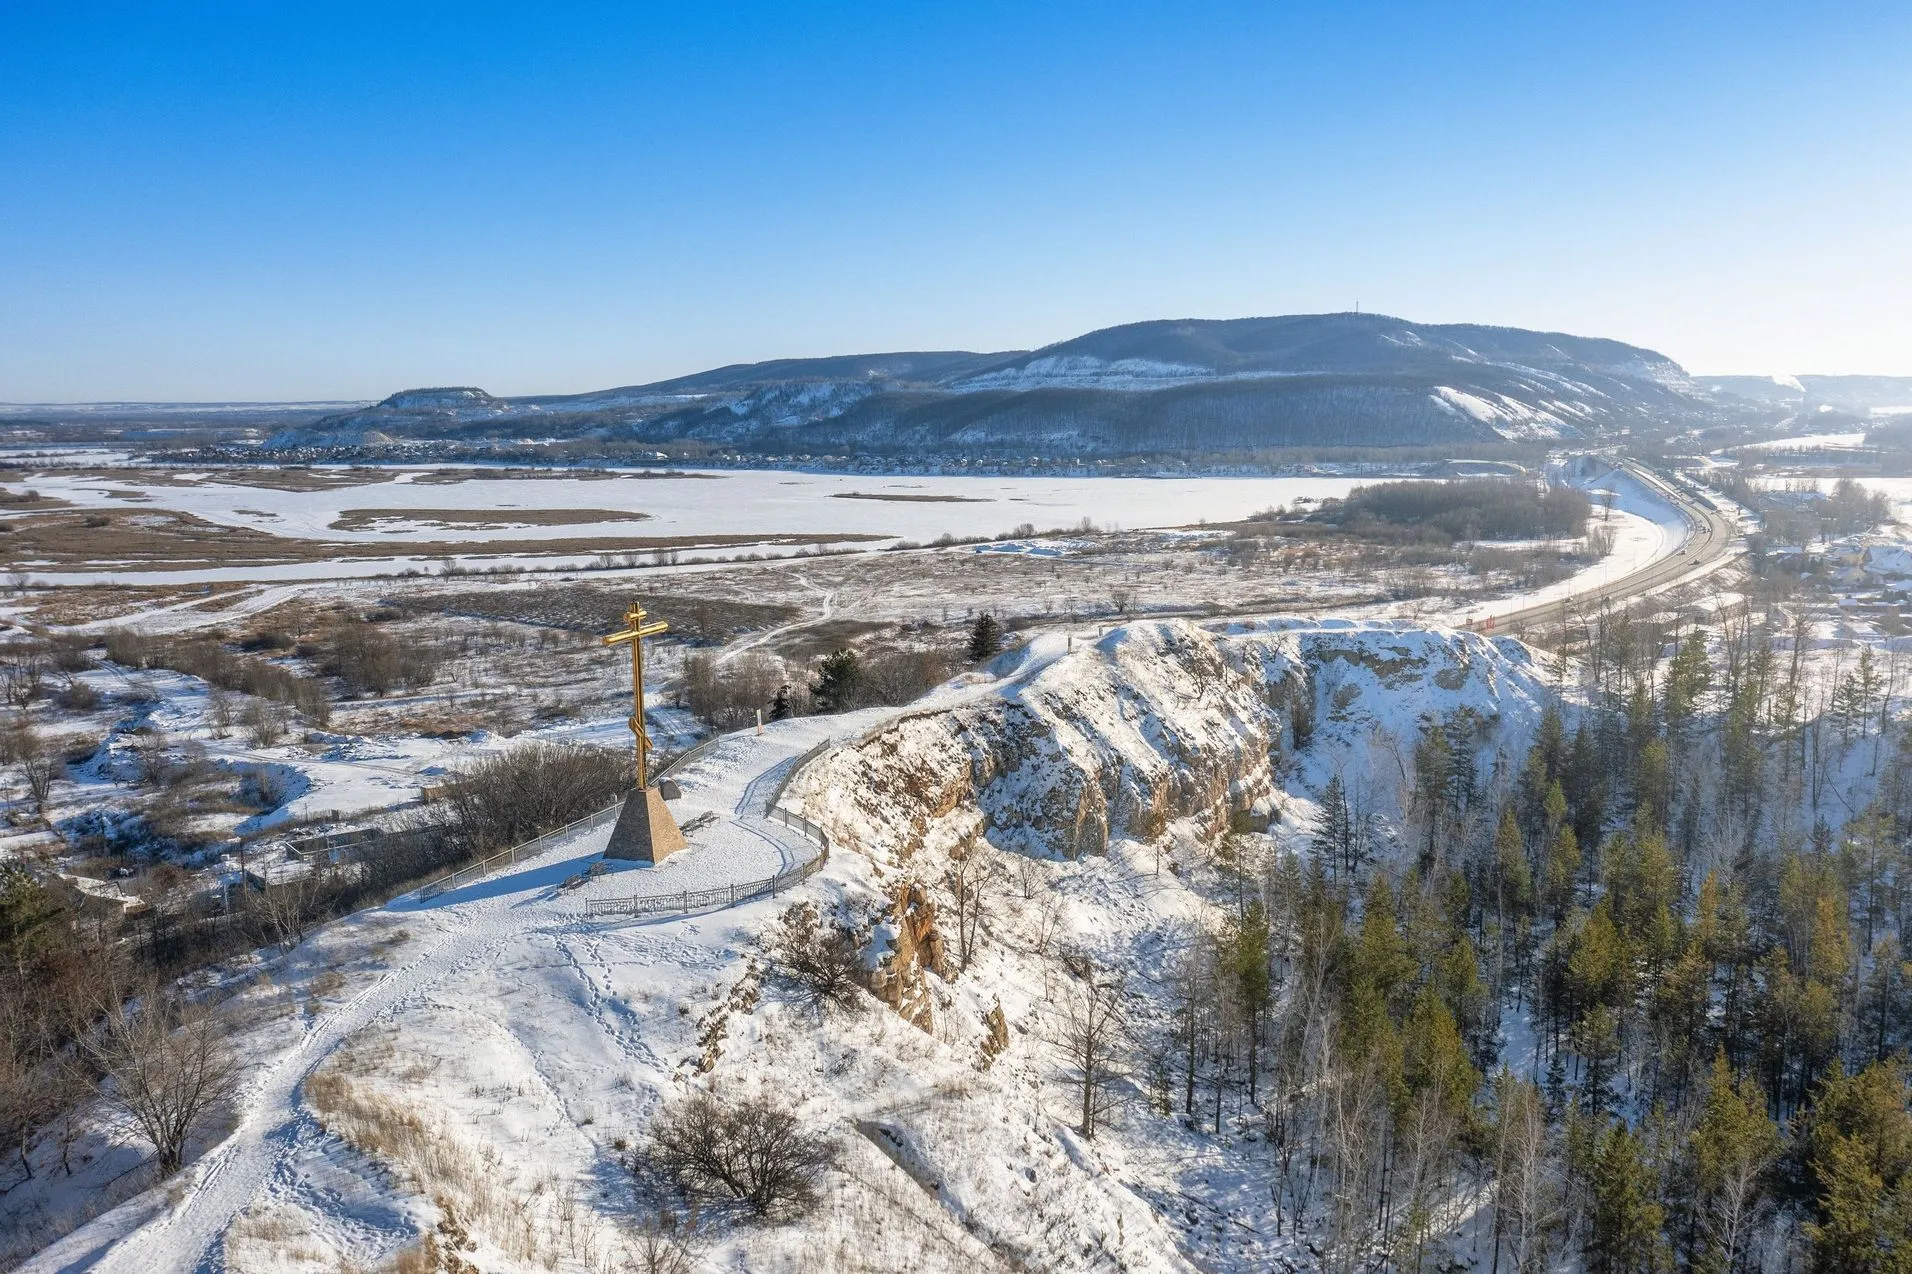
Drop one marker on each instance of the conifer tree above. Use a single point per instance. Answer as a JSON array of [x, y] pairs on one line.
[[1627, 1235], [1733, 1146], [838, 680], [985, 638], [1333, 836]]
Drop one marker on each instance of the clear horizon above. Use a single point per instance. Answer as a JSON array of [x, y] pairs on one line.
[[227, 205]]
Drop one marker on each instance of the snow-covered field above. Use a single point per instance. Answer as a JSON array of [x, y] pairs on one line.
[[538, 1043]]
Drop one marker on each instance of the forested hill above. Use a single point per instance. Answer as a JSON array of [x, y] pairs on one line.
[[1158, 388]]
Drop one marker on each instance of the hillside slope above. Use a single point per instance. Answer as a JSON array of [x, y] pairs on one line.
[[530, 1047], [1153, 388]]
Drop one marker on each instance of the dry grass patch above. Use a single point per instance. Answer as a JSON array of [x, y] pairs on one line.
[[541, 1221]]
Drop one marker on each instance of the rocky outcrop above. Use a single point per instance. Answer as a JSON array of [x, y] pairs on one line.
[[904, 946], [1156, 723]]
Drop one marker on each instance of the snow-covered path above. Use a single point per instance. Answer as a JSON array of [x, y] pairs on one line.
[[452, 935], [220, 1185]]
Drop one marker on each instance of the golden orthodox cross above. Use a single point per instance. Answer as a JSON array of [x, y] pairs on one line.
[[635, 631]]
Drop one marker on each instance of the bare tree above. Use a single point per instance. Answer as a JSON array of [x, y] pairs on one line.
[[24, 1098], [754, 1151], [1529, 1194], [166, 1066], [964, 880], [22, 674], [1092, 1034], [41, 766], [665, 1244], [289, 906], [219, 711]]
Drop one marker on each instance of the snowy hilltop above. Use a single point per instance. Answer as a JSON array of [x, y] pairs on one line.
[[480, 1079]]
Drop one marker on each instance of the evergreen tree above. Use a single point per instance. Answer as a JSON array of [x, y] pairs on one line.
[[985, 637], [1333, 835], [1563, 870], [838, 679], [1733, 1146], [1627, 1235], [1687, 677], [780, 707]]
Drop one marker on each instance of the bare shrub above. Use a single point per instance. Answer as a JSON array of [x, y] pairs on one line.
[[729, 694], [265, 723], [665, 1244], [901, 676], [42, 766], [820, 957], [369, 660], [167, 1067], [127, 648], [213, 663], [515, 795], [77, 696], [754, 1151], [23, 671]]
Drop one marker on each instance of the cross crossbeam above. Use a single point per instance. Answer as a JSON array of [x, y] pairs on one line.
[[634, 632]]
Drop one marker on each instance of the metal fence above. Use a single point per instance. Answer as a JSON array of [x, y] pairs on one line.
[[688, 755], [688, 900], [726, 895], [783, 784], [684, 900], [519, 853]]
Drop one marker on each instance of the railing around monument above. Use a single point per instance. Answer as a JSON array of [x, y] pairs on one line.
[[518, 853], [696, 899], [688, 900], [532, 848]]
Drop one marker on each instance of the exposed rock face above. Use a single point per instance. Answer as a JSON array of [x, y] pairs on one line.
[[996, 1043], [905, 944], [1157, 722]]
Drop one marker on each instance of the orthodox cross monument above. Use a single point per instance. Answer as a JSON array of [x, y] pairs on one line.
[[645, 830]]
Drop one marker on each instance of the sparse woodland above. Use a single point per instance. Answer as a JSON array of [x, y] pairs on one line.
[[1628, 1000]]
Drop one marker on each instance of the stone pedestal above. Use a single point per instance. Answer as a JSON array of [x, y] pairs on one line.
[[645, 831]]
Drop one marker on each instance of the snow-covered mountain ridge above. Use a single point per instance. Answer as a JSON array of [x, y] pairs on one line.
[[1161, 387]]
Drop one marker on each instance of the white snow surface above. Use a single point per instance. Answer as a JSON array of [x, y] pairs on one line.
[[730, 502], [535, 1041]]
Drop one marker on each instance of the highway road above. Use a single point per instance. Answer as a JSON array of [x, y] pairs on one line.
[[1711, 543]]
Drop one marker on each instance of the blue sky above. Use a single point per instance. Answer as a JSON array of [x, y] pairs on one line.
[[333, 201]]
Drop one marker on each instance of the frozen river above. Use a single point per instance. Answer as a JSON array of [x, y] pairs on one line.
[[409, 508], [727, 502]]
